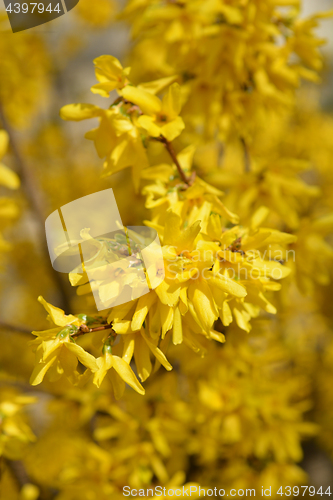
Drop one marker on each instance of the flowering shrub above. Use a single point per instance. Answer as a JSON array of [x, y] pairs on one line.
[[231, 165]]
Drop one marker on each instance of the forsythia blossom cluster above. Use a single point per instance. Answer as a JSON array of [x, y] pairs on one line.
[[229, 358], [212, 272]]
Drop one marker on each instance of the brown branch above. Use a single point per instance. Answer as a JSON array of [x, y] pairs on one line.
[[174, 158], [18, 471], [177, 3], [247, 159], [14, 328], [35, 204], [85, 329], [164, 140]]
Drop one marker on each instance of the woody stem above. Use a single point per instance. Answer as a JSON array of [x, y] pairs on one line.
[[247, 159], [14, 328], [174, 158], [33, 197], [85, 329]]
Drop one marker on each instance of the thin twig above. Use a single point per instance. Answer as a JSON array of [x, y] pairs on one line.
[[18, 472], [34, 201], [14, 328], [174, 158], [85, 329], [247, 159]]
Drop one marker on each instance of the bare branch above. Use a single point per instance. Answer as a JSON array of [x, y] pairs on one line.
[[14, 328], [247, 159], [35, 204], [174, 158]]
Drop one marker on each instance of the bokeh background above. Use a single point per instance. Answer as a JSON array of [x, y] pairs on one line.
[[41, 70]]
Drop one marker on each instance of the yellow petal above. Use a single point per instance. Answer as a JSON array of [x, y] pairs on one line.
[[256, 240], [110, 74], [226, 315], [147, 102], [148, 123], [8, 178], [218, 336], [40, 370], [123, 326], [127, 374], [128, 349], [270, 268], [118, 384], [107, 67], [68, 362], [242, 319], [86, 359], [142, 358], [183, 240], [77, 279], [119, 312], [227, 285], [104, 364], [224, 211], [159, 355], [183, 304], [166, 315], [202, 299], [57, 315], [80, 111], [49, 346], [141, 311], [214, 227], [104, 89], [167, 295], [4, 141], [157, 86], [192, 342], [185, 157], [109, 292], [171, 101], [259, 216], [177, 334], [280, 238], [173, 129], [210, 397]]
